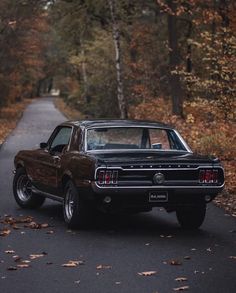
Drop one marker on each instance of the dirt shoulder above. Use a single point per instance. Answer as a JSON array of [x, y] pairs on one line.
[[9, 116]]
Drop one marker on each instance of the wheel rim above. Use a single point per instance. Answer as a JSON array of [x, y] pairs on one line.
[[69, 204], [24, 188]]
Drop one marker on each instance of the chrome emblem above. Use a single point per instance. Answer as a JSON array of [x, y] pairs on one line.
[[158, 178]]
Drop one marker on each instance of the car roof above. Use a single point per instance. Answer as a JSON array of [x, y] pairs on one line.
[[116, 122]]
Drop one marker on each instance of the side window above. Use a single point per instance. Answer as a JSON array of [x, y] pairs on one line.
[[61, 139]]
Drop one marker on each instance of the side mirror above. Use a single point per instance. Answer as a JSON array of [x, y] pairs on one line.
[[43, 145]]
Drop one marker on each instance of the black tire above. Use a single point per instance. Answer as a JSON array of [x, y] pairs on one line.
[[191, 218], [76, 212], [22, 190]]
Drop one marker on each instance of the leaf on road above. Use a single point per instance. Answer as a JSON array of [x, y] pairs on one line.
[[23, 266], [50, 232], [9, 251], [11, 268], [181, 288], [5, 232], [16, 258], [187, 257], [103, 267], [175, 262], [181, 279], [35, 256], [148, 273], [232, 257], [73, 263]]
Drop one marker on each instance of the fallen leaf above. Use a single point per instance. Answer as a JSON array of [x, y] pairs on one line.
[[45, 225], [149, 273], [232, 257], [25, 261], [35, 256], [23, 266], [5, 232], [73, 263], [50, 232], [181, 288], [16, 258], [181, 279], [11, 268], [105, 267], [175, 262], [187, 257], [9, 251]]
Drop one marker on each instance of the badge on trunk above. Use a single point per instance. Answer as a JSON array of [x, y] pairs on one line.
[[158, 178]]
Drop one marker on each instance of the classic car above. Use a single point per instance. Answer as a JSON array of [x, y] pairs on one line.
[[117, 166]]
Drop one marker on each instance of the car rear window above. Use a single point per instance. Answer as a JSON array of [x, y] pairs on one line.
[[117, 138]]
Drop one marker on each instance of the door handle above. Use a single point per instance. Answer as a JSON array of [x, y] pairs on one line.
[[56, 159]]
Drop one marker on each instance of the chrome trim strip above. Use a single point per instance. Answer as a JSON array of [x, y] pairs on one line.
[[157, 169], [182, 141], [48, 195], [159, 187]]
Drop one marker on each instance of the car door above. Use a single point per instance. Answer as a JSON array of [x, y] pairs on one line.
[[49, 162]]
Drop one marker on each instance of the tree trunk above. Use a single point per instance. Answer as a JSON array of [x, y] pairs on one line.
[[120, 85], [174, 61]]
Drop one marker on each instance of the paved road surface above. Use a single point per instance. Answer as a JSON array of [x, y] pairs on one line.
[[124, 246]]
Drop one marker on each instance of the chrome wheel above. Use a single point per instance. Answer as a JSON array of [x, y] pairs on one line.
[[24, 188], [69, 204]]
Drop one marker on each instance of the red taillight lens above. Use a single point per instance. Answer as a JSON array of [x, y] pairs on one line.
[[107, 177], [215, 176], [208, 176], [101, 177]]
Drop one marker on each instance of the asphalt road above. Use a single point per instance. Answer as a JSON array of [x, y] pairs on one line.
[[114, 251]]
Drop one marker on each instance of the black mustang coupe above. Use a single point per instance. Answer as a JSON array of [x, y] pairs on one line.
[[117, 166]]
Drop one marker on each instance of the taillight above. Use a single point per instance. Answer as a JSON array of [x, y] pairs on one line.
[[107, 177], [101, 177], [208, 176]]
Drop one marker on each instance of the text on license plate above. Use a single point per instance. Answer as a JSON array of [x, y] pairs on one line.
[[158, 196]]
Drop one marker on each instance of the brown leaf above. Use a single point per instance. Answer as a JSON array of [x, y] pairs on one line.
[[11, 268], [16, 258], [45, 225], [50, 232], [23, 266], [101, 267], [9, 251], [181, 288], [73, 263], [232, 257], [34, 256], [181, 279], [148, 273], [175, 262], [5, 232]]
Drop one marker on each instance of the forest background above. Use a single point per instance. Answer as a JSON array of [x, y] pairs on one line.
[[172, 61]]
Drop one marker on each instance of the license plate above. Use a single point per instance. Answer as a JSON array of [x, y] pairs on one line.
[[158, 196]]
